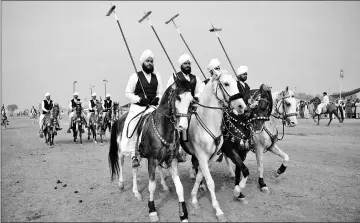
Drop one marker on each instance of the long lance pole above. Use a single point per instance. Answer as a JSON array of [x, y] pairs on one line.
[[146, 16], [112, 10], [172, 20], [217, 35]]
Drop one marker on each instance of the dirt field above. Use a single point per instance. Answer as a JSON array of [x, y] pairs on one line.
[[321, 183]]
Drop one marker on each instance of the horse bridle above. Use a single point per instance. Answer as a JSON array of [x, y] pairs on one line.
[[283, 115]]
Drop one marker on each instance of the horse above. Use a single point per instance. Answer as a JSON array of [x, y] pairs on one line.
[[204, 137], [49, 124], [94, 122], [158, 141], [115, 112], [331, 109], [77, 124], [239, 130], [4, 120], [265, 139], [104, 123]]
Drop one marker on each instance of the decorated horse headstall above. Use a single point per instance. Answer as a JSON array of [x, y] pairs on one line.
[[281, 102]]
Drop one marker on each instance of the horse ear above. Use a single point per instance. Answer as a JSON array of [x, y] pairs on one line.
[[287, 89]]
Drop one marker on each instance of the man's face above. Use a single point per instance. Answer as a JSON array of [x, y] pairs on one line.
[[107, 98], [76, 97], [186, 67], [148, 65], [93, 97], [47, 97], [243, 77]]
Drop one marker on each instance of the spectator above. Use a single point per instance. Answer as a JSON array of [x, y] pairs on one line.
[[348, 107], [357, 108]]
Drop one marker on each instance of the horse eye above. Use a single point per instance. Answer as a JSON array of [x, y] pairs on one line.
[[288, 104], [226, 84], [292, 96], [178, 98]]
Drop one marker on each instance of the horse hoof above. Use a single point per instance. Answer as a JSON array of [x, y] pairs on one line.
[[153, 217], [196, 205], [102, 144], [138, 196], [185, 220], [265, 190], [221, 218], [243, 200], [95, 142]]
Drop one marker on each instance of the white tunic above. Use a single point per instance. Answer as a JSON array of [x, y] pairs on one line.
[[199, 84]]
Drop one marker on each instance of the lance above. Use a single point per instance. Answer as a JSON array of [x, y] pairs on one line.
[[172, 20], [112, 10], [216, 30], [146, 16]]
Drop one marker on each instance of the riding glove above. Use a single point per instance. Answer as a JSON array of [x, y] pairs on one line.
[[144, 101], [155, 101]]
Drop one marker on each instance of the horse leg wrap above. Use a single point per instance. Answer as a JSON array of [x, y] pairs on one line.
[[183, 211], [151, 206], [281, 169], [245, 172], [261, 182]]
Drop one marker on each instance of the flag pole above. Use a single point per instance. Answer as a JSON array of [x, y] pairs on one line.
[[341, 77]]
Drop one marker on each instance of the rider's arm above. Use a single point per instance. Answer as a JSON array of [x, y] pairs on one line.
[[70, 106], [103, 105], [199, 87], [159, 90], [90, 108], [43, 106], [130, 89]]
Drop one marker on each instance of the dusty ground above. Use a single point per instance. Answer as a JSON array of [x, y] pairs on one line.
[[322, 181]]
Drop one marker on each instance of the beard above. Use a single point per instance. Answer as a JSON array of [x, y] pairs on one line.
[[186, 70], [243, 79], [148, 69]]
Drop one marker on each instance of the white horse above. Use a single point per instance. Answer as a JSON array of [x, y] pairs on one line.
[[205, 134]]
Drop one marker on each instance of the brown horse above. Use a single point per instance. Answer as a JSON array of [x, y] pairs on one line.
[[77, 124], [157, 142], [50, 123], [331, 109]]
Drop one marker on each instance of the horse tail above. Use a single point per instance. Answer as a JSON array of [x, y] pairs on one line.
[[114, 151], [113, 157]]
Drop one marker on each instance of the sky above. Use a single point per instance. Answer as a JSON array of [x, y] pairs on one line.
[[47, 45]]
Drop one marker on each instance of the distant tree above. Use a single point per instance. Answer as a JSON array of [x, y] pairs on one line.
[[12, 107]]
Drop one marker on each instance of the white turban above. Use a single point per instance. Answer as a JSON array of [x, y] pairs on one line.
[[47, 94], [145, 55], [213, 63], [183, 58], [93, 94], [75, 93], [242, 70], [108, 95]]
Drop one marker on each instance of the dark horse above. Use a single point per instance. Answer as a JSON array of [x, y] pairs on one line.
[[158, 139], [77, 123], [331, 109], [238, 135], [4, 120], [50, 123], [115, 112]]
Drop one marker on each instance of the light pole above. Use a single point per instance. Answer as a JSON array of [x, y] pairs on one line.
[[74, 86], [91, 87], [105, 81]]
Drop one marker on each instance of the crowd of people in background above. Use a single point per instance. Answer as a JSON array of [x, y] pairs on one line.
[[349, 107]]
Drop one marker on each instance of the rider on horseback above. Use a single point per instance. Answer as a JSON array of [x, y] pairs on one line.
[[92, 106], [107, 105], [146, 81], [3, 112], [323, 104], [76, 101], [196, 85], [46, 106], [242, 77]]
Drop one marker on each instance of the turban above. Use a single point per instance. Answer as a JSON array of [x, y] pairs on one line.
[[47, 94], [242, 70], [93, 94], [183, 58], [213, 63], [76, 94], [145, 55], [108, 95]]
